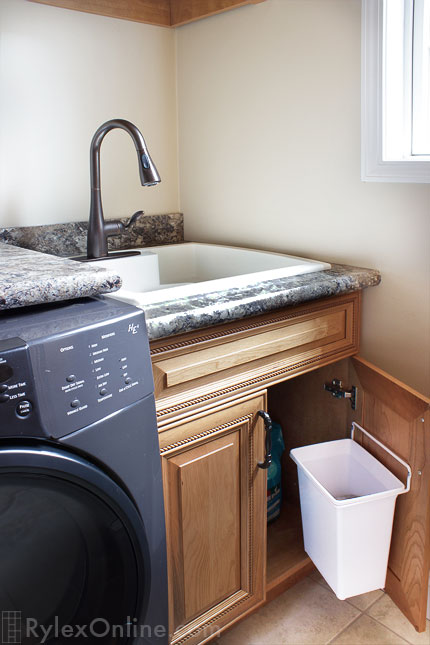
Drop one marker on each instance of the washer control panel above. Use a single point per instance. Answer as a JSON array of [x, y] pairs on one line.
[[61, 380], [91, 373], [16, 385]]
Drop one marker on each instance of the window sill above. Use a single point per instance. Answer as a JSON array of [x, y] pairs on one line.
[[411, 171]]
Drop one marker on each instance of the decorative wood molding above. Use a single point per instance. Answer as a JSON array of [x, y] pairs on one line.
[[163, 13], [218, 613], [190, 10], [154, 12], [202, 435]]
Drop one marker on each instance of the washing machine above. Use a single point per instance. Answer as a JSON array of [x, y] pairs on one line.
[[82, 533]]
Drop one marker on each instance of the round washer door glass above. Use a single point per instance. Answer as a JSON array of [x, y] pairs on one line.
[[68, 561]]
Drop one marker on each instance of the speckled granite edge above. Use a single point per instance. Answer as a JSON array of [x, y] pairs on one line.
[[33, 278], [196, 312], [70, 238]]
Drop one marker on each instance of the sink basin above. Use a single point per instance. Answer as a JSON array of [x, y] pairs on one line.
[[174, 271]]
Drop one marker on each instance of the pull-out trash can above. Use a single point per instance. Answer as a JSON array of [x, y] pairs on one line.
[[347, 500]]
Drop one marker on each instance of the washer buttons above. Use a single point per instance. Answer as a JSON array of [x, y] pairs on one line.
[[71, 378], [4, 398], [3, 388], [103, 391], [127, 380], [75, 403], [24, 408]]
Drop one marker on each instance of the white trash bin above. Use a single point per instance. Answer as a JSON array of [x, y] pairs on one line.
[[347, 500]]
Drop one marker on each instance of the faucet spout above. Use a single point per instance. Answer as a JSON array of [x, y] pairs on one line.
[[98, 229]]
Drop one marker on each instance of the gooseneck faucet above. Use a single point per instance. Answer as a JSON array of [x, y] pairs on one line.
[[98, 229]]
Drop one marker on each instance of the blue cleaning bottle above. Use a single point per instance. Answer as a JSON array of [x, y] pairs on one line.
[[274, 475]]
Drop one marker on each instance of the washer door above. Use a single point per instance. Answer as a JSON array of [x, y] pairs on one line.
[[72, 550]]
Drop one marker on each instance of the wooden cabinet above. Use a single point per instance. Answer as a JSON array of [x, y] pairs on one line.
[[209, 387], [164, 13], [215, 497], [399, 418]]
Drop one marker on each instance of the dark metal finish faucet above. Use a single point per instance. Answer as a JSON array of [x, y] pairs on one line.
[[98, 229]]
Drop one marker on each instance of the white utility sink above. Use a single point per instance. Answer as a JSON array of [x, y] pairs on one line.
[[175, 271]]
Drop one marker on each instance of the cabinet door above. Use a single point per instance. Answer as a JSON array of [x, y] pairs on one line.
[[400, 418], [215, 498]]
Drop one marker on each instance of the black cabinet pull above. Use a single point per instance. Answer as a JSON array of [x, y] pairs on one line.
[[268, 440]]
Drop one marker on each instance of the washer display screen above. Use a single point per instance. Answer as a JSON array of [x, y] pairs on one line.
[[5, 372]]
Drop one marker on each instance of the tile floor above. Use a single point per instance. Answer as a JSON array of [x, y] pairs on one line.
[[310, 614]]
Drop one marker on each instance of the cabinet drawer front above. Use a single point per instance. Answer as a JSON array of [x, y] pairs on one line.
[[238, 352], [197, 367]]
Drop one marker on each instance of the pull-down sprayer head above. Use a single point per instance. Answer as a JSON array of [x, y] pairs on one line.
[[148, 172]]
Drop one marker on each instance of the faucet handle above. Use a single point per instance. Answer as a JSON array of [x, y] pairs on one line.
[[133, 218], [116, 227]]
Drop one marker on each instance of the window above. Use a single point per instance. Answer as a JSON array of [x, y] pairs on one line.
[[396, 90], [421, 78]]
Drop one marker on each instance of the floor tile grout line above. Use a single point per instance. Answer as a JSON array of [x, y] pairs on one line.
[[362, 611], [378, 621], [345, 628], [384, 593], [323, 584], [389, 629]]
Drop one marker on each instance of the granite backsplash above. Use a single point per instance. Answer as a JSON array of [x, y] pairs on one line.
[[70, 239]]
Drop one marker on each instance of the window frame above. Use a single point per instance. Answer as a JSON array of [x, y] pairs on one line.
[[373, 166], [421, 91]]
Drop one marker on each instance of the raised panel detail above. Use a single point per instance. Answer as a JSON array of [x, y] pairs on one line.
[[215, 517], [206, 490]]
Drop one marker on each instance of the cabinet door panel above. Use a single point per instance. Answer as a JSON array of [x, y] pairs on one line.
[[215, 498], [207, 492], [400, 418]]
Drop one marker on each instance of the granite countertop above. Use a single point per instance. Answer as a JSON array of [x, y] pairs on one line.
[[32, 278], [195, 312]]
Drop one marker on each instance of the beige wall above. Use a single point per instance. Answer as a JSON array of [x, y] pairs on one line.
[[269, 135], [62, 74], [269, 156]]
